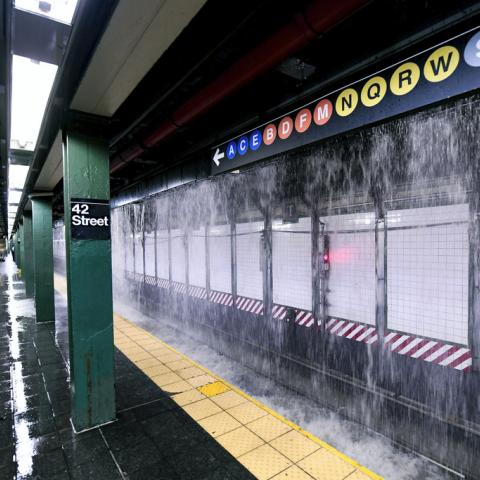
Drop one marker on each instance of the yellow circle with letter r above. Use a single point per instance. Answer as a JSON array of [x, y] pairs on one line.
[[373, 91], [404, 78], [441, 63], [346, 102]]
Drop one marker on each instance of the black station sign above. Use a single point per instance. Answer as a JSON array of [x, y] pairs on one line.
[[90, 219], [445, 70]]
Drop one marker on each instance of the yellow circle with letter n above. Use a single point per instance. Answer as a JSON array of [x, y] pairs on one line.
[[346, 102]]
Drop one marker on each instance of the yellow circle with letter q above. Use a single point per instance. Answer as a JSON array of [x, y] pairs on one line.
[[346, 102], [404, 78], [373, 91], [441, 63]]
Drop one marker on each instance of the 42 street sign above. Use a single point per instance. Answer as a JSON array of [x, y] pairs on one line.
[[90, 219]]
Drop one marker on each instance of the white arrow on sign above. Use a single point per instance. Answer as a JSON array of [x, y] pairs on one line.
[[217, 156]]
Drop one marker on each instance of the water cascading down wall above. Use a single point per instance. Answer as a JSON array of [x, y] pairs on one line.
[[346, 271]]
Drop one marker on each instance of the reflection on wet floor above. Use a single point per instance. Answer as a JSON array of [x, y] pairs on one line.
[[152, 438]]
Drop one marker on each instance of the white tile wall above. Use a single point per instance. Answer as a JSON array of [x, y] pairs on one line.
[[249, 274], [118, 240], [139, 211], [427, 272], [351, 278], [128, 245], [178, 255], [149, 254], [59, 242], [220, 258], [138, 253], [197, 272], [162, 254], [292, 264]]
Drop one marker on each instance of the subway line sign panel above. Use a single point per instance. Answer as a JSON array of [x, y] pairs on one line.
[[443, 71]]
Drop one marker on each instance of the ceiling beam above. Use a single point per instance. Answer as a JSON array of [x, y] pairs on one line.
[[38, 37], [87, 28]]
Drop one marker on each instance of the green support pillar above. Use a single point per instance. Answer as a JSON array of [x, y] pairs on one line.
[[18, 248], [22, 246], [28, 267], [86, 175], [43, 256], [14, 245]]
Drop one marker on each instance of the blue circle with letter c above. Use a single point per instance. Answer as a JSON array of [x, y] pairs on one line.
[[243, 145]]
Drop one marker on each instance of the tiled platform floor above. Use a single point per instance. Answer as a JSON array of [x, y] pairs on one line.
[[153, 437], [267, 444], [176, 420]]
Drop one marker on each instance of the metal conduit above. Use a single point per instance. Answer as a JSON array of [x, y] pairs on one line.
[[319, 17]]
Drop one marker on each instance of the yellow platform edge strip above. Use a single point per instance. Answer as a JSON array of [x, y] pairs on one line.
[[60, 286]]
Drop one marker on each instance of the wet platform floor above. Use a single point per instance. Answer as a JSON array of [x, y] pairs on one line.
[[175, 420], [153, 438]]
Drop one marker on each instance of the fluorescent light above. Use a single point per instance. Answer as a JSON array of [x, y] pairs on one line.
[[32, 83], [17, 175], [60, 10], [14, 196]]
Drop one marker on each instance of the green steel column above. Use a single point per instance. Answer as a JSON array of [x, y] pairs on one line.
[[18, 247], [28, 268], [22, 247], [86, 175], [14, 244], [43, 257]]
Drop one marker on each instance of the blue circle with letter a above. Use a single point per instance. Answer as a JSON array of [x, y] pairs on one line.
[[243, 145], [231, 150]]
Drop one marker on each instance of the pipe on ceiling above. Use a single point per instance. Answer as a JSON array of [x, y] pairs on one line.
[[317, 18]]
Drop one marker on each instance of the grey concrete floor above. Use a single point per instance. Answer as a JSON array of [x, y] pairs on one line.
[[151, 439]]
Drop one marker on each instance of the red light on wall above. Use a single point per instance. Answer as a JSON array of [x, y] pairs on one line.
[[326, 261]]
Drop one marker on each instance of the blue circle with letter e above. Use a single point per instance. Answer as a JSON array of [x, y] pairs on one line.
[[231, 150], [255, 140], [472, 51], [243, 145]]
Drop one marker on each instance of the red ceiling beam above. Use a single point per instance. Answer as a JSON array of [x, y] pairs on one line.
[[317, 18]]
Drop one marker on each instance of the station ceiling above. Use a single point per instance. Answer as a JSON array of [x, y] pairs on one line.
[[374, 36], [137, 62]]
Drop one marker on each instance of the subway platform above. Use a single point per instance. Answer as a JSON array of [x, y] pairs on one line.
[[175, 419]]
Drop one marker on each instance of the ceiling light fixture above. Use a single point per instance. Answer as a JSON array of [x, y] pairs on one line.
[[59, 10], [32, 83]]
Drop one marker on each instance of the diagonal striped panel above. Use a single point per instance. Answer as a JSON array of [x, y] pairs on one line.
[[163, 283], [250, 305], [303, 318], [352, 331], [179, 287], [430, 351], [222, 298], [149, 280], [197, 292]]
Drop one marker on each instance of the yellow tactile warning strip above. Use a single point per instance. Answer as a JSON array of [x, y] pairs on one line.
[[267, 444]]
